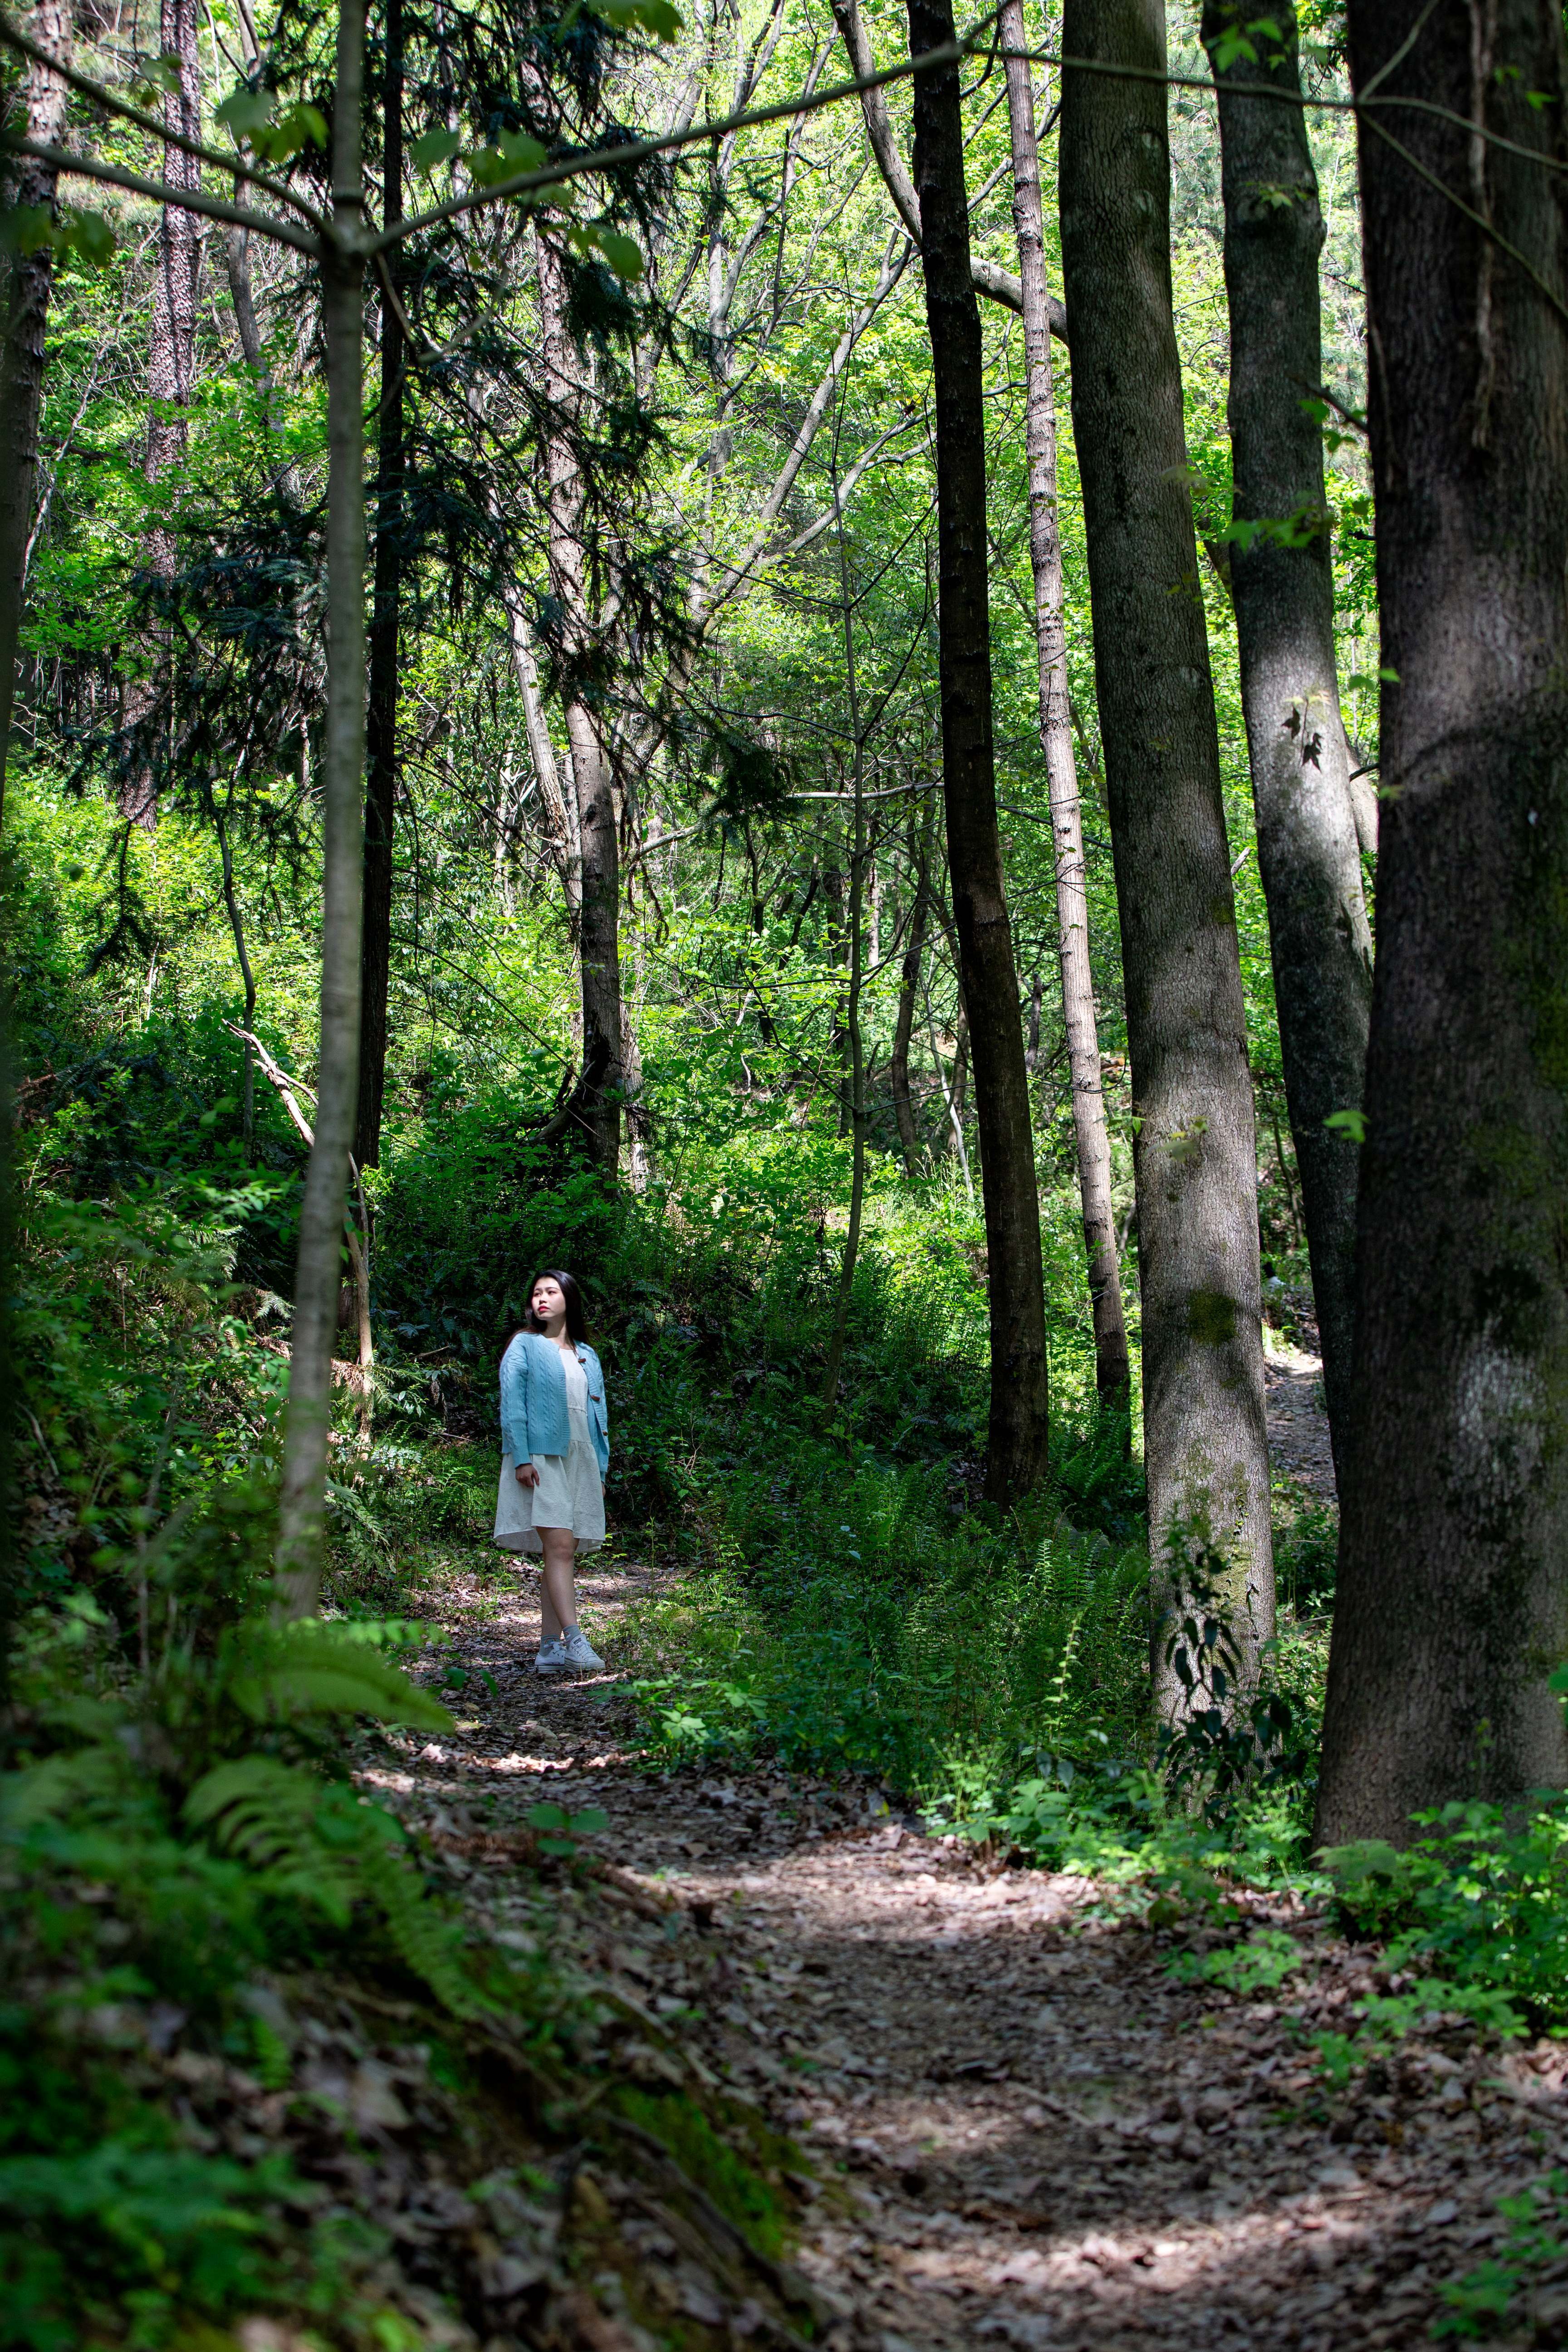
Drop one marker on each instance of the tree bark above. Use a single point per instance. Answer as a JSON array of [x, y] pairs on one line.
[[1017, 1444], [855, 1090], [1452, 1608], [600, 849], [302, 1504], [909, 988], [29, 280], [999, 285], [1283, 590], [381, 716], [1194, 1150], [1114, 1376], [171, 340]]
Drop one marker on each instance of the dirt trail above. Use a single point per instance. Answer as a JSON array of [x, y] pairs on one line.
[[1298, 1426], [1030, 2135]]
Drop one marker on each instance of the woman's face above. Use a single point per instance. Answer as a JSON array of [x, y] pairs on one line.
[[549, 1301]]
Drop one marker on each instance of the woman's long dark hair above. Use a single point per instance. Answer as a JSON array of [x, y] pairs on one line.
[[576, 1320]]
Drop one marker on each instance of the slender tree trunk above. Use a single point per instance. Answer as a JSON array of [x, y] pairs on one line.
[[909, 988], [302, 1504], [857, 1046], [1113, 1377], [29, 280], [1283, 590], [381, 716], [566, 847], [1452, 1607], [1016, 1447], [247, 975], [172, 344], [1194, 1148], [999, 285], [837, 1030], [950, 1097], [600, 849]]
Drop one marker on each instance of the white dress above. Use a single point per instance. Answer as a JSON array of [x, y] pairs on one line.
[[569, 1492]]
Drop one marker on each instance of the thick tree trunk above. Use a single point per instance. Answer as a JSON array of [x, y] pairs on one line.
[[1452, 1607], [1113, 1377], [381, 716], [909, 988], [1017, 1444], [599, 843], [1283, 590], [28, 279], [1193, 1149], [302, 1504], [172, 343]]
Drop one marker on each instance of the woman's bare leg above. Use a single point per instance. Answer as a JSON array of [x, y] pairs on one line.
[[549, 1622], [558, 1604]]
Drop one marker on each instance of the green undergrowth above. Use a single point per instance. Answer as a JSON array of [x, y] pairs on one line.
[[199, 1893]]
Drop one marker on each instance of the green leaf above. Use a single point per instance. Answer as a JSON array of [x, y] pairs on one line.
[[486, 169], [302, 126], [655, 17], [26, 229], [623, 253], [161, 75], [521, 152], [1349, 1124], [548, 1817], [590, 1822], [243, 112], [433, 148]]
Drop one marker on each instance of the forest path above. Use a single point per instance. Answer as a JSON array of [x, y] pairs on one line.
[[1298, 1426], [1026, 2131]]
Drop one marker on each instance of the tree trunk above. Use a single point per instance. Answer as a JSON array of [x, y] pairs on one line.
[[1194, 1150], [1113, 1377], [1015, 1451], [855, 1090], [600, 866], [997, 284], [909, 988], [1283, 589], [381, 716], [172, 343], [302, 1504], [29, 280], [1452, 1608]]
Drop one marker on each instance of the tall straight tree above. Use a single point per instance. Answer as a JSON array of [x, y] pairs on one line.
[[29, 277], [1452, 1607], [381, 715], [1113, 1377], [1281, 579], [172, 337], [302, 1502], [1194, 1147], [599, 926], [1016, 1444]]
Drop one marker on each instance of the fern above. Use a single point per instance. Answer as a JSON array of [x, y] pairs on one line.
[[309, 1668], [267, 1813], [325, 1844], [426, 1936]]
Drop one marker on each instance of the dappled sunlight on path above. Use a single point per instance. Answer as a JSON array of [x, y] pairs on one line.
[[1025, 2131]]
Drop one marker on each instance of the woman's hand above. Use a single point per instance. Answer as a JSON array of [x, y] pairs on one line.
[[527, 1476]]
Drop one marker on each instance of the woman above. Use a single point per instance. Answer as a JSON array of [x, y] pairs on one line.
[[556, 1450]]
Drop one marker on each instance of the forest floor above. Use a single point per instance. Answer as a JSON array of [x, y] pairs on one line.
[[1016, 2125], [1298, 1425]]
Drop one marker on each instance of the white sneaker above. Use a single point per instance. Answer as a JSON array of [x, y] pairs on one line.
[[552, 1658], [578, 1650]]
